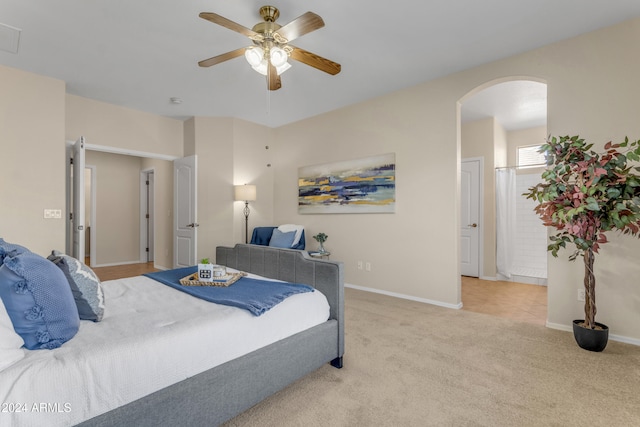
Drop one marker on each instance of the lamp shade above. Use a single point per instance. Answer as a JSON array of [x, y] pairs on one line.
[[245, 193]]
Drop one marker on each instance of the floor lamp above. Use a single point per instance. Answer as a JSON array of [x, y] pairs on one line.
[[245, 193]]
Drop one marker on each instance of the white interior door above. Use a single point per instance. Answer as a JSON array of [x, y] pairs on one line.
[[77, 218], [185, 232], [470, 218]]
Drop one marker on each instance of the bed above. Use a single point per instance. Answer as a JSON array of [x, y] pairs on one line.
[[188, 392]]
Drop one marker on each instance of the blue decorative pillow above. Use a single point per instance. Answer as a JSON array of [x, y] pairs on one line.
[[7, 248], [38, 300], [282, 240], [85, 286]]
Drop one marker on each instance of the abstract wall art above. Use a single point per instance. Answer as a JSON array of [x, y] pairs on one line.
[[366, 185]]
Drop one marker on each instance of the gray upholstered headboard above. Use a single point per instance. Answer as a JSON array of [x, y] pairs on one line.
[[292, 266]]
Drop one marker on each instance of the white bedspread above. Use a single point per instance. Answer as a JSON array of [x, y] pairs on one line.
[[151, 336]]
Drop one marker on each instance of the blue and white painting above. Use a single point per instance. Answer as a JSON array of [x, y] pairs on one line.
[[366, 185]]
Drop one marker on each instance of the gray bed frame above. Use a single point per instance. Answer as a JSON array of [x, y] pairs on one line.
[[217, 395]]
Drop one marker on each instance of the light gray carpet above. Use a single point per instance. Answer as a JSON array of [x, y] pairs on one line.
[[414, 364]]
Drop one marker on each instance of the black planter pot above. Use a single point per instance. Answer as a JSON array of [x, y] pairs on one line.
[[591, 339]]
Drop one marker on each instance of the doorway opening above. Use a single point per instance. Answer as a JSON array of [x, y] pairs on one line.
[[495, 119]]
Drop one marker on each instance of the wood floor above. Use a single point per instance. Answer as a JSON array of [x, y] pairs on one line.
[[517, 301], [122, 271]]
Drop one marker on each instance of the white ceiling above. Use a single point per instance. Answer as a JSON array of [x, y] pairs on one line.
[[141, 53], [515, 105]]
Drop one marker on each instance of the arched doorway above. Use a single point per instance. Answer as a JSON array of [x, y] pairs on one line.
[[496, 119]]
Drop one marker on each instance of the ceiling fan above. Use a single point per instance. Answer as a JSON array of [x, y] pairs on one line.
[[271, 48]]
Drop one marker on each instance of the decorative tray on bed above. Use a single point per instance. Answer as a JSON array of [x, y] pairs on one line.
[[226, 280]]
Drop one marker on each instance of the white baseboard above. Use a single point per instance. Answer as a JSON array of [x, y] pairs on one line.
[[403, 296], [116, 263], [518, 279], [612, 337], [160, 267], [558, 326]]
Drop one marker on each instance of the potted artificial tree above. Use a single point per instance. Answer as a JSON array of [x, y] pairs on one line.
[[583, 195]]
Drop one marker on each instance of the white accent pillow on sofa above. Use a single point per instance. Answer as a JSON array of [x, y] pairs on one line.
[[287, 228]]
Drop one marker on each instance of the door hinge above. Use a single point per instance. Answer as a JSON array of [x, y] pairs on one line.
[[70, 216], [146, 249], [147, 182], [147, 216]]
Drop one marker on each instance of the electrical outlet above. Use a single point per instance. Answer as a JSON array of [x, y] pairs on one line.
[[367, 266], [52, 213], [359, 265], [580, 294]]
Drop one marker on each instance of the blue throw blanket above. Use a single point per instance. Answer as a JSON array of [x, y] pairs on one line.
[[254, 295]]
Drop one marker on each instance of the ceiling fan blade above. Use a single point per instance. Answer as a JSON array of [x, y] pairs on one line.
[[300, 26], [221, 58], [315, 61], [227, 23], [273, 79]]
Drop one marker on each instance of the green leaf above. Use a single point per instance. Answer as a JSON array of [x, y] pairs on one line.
[[613, 193], [592, 204]]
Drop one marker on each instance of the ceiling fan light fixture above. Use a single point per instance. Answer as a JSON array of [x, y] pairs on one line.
[[254, 56], [282, 68], [278, 56], [270, 52], [261, 67]]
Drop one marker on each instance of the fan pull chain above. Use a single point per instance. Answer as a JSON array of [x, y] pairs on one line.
[[268, 102], [268, 94]]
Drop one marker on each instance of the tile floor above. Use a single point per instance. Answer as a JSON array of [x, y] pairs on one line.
[[518, 301]]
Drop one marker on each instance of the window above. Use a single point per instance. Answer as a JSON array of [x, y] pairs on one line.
[[530, 156]]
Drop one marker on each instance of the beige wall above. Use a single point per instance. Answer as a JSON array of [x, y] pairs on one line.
[[32, 158], [592, 90], [254, 163], [480, 139], [163, 209], [117, 226], [118, 195], [119, 127], [229, 152], [124, 129], [415, 251], [214, 148]]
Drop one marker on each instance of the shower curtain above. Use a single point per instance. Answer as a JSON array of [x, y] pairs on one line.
[[505, 220]]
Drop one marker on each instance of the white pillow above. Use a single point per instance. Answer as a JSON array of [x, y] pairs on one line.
[[286, 228], [10, 341]]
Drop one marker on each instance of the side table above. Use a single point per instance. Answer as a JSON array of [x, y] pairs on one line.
[[321, 255]]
